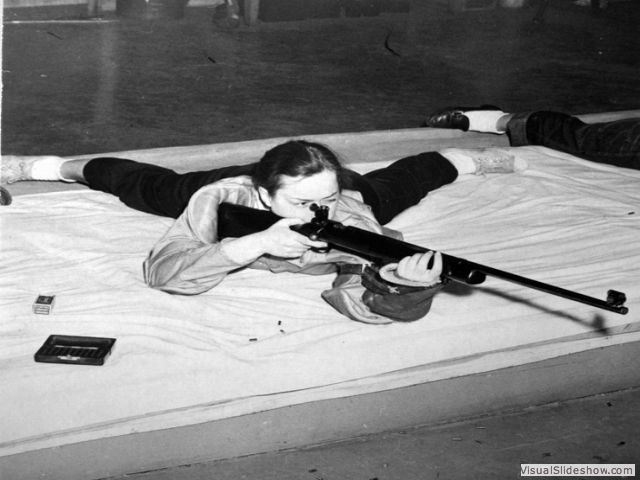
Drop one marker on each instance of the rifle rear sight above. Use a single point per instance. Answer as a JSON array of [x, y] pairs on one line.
[[321, 213]]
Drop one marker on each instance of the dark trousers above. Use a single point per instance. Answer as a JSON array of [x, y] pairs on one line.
[[615, 143], [161, 191]]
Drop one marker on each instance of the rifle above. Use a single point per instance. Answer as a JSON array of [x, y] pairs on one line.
[[238, 221]]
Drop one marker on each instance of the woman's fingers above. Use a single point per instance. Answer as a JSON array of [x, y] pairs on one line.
[[422, 262], [288, 243], [437, 264], [287, 222], [416, 267]]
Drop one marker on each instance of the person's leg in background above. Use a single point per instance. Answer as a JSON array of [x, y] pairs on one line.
[[615, 143]]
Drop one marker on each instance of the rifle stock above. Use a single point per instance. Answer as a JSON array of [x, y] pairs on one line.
[[238, 221]]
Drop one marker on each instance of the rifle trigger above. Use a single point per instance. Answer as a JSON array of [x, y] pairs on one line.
[[475, 277]]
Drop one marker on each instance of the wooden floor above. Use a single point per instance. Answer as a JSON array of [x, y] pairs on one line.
[[591, 430], [530, 406]]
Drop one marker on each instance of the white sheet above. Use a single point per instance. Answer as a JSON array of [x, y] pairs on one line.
[[184, 360]]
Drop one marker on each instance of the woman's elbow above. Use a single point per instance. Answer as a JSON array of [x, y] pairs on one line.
[[172, 281], [169, 285]]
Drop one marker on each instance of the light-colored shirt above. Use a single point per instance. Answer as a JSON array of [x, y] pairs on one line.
[[189, 260]]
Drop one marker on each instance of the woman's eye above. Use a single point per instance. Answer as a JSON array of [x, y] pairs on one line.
[[309, 203]]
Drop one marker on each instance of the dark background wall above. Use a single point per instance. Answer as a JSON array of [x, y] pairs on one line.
[[77, 86]]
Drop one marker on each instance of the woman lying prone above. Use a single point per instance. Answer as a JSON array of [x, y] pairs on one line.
[[190, 258], [289, 180]]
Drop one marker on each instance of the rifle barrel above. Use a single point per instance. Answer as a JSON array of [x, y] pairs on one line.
[[237, 221], [612, 306], [386, 249]]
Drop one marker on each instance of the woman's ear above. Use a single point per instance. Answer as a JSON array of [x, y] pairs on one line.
[[265, 198]]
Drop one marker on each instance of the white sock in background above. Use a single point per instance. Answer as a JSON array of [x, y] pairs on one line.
[[484, 120], [48, 168]]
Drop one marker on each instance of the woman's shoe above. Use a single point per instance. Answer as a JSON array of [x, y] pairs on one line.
[[454, 117]]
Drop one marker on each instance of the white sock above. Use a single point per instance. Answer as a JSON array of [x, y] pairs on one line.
[[463, 162], [484, 120], [48, 168]]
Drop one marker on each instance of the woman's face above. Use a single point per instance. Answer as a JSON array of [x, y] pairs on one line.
[[296, 195]]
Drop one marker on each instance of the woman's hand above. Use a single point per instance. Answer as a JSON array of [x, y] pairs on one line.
[[414, 270], [279, 240]]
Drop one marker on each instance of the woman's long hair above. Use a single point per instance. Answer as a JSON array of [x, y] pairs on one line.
[[295, 158]]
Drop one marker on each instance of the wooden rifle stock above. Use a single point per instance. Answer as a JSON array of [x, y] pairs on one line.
[[238, 221]]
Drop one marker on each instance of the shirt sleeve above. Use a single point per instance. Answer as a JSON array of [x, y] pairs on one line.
[[188, 259]]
